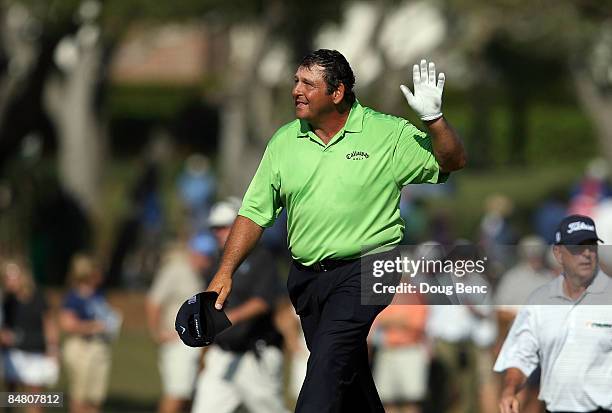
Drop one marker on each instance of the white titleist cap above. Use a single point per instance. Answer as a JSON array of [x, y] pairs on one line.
[[224, 213]]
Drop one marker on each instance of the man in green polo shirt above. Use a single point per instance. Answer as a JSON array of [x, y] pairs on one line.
[[338, 169]]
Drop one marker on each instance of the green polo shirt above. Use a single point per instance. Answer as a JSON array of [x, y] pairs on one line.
[[343, 195]]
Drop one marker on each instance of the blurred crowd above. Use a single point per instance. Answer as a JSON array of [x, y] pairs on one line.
[[30, 334], [426, 355]]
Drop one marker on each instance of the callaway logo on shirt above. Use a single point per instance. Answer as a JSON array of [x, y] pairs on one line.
[[594, 324], [357, 155]]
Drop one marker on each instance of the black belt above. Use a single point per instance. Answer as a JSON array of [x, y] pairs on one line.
[[325, 265]]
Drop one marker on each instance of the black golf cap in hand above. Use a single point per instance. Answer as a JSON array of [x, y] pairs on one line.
[[198, 322]]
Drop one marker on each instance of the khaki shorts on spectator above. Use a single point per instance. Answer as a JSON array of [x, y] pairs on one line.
[[88, 363], [401, 373], [178, 368]]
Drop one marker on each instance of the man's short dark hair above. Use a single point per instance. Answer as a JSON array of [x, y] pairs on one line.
[[336, 70]]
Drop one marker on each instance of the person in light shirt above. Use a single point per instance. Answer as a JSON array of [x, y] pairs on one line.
[[180, 275], [566, 329], [515, 287]]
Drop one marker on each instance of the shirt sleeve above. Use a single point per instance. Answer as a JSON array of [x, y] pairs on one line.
[[74, 304], [261, 203], [70, 302], [413, 158], [521, 347]]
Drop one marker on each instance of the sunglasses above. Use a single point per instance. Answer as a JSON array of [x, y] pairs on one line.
[[579, 249]]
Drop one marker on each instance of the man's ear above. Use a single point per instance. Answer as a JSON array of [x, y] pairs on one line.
[[557, 253], [338, 94]]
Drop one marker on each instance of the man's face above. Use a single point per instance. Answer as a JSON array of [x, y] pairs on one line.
[[199, 261], [578, 261], [536, 262], [310, 96], [221, 234]]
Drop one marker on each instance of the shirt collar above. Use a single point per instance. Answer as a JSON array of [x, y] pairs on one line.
[[597, 286], [354, 123], [556, 289]]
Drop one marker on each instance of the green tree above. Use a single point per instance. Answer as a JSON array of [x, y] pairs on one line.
[[532, 45]]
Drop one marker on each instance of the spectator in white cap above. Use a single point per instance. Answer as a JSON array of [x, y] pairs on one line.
[[244, 365], [223, 214]]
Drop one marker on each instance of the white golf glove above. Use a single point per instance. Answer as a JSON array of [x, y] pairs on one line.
[[427, 98]]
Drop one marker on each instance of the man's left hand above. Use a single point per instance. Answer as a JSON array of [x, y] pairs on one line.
[[427, 98]]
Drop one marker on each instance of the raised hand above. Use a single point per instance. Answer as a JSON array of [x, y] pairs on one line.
[[427, 98]]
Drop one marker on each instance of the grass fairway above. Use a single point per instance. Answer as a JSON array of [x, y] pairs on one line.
[[134, 384]]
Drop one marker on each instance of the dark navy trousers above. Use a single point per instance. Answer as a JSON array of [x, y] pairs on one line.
[[336, 325]]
